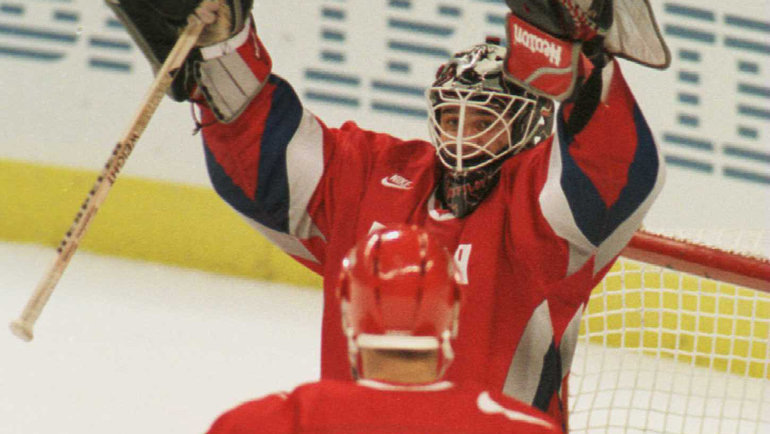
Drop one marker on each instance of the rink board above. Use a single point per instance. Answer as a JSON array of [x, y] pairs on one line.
[[157, 221]]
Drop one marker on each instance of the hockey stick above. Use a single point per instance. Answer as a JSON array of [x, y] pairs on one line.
[[22, 327]]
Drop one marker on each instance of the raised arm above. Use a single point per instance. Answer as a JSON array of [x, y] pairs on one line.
[[264, 150], [604, 168], [267, 156], [603, 177]]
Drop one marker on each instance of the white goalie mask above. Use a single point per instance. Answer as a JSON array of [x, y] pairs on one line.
[[477, 116], [477, 119]]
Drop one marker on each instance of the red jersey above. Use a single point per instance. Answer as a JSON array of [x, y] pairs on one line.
[[370, 407], [529, 255]]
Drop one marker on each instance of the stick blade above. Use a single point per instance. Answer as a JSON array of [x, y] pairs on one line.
[[22, 330]]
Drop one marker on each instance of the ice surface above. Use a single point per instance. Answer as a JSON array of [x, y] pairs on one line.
[[127, 346]]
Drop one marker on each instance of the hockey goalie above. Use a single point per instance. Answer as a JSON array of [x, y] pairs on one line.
[[535, 180]]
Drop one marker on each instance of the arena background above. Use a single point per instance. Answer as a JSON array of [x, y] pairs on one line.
[[71, 79]]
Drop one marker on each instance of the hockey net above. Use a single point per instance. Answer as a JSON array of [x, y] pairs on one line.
[[662, 349]]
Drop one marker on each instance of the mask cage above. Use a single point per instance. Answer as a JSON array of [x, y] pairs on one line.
[[515, 114]]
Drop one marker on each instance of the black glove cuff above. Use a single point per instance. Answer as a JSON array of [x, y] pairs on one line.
[[595, 52], [586, 100]]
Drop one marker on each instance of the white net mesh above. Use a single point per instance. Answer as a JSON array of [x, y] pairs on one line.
[[664, 351]]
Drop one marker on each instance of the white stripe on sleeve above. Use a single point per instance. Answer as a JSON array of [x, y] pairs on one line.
[[556, 210], [288, 243], [304, 167]]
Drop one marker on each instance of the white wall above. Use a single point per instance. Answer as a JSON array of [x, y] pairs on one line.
[[63, 112]]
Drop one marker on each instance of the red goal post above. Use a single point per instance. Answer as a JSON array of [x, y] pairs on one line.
[[676, 338], [700, 259]]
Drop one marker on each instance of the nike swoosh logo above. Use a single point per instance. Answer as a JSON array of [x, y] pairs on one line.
[[388, 183]]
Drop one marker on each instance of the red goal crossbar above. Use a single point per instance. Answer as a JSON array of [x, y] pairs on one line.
[[699, 259]]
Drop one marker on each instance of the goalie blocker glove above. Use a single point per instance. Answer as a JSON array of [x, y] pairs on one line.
[[627, 28], [540, 62], [546, 37], [155, 26]]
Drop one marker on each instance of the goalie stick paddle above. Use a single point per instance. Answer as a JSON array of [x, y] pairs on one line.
[[22, 327]]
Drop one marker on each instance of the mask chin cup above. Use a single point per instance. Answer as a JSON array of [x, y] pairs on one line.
[[462, 192]]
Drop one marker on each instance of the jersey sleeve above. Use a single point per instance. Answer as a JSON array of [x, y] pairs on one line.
[[273, 414], [601, 181], [274, 162]]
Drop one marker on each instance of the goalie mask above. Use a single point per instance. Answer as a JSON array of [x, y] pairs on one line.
[[398, 291], [477, 119]]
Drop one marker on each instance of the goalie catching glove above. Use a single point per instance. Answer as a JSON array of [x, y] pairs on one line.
[[546, 38], [155, 26]]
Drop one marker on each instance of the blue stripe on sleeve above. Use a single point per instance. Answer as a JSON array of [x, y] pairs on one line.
[[584, 201], [273, 184], [228, 190], [592, 217], [642, 175], [271, 207]]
